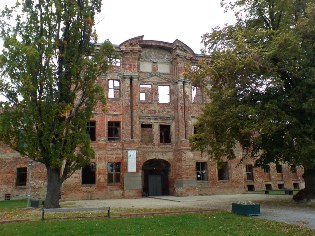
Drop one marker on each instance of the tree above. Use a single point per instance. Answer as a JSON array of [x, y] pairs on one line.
[[262, 85], [49, 68]]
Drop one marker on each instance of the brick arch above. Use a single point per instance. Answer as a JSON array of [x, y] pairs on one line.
[[156, 177]]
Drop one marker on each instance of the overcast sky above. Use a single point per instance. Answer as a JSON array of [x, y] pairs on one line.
[[162, 20]]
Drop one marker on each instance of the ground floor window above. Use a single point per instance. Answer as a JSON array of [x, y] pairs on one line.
[[89, 174], [201, 171], [21, 176], [113, 169], [223, 171], [249, 172]]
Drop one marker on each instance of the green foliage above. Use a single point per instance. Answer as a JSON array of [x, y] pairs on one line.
[[262, 84], [197, 224], [49, 68]]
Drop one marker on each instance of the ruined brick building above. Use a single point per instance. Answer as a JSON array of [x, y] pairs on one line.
[[141, 141]]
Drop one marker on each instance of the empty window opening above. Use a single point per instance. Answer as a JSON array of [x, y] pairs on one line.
[[196, 129], [249, 172], [223, 171], [164, 94], [296, 186], [113, 130], [293, 168], [280, 186], [89, 173], [165, 134], [146, 133], [113, 88], [91, 129], [266, 168], [250, 187], [146, 92], [268, 186], [279, 168], [201, 171], [21, 176], [116, 62], [196, 95], [113, 173]]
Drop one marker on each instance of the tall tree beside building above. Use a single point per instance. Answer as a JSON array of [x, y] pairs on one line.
[[49, 67], [262, 85]]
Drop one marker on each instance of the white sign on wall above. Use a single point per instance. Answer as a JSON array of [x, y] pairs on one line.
[[132, 161]]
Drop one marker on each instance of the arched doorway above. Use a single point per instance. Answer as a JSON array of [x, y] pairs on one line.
[[155, 173]]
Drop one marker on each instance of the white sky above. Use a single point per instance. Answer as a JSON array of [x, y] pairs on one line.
[[162, 20]]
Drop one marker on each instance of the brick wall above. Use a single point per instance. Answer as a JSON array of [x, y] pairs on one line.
[[154, 63]]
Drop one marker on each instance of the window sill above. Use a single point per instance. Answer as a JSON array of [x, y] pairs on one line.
[[88, 185], [21, 187], [223, 180], [113, 185]]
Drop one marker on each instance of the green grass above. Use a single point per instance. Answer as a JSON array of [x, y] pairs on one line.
[[12, 204], [216, 223]]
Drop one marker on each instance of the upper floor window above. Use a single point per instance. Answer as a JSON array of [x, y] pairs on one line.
[[21, 176], [266, 168], [201, 171], [146, 92], [293, 168], [196, 95], [113, 130], [164, 94], [146, 133], [165, 134], [113, 88], [91, 129], [279, 168]]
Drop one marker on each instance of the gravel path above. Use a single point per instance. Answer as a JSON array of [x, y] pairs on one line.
[[301, 215]]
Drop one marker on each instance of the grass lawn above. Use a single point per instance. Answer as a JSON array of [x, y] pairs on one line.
[[12, 204], [216, 223]]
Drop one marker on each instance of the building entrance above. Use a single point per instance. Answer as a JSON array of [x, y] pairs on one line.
[[155, 173]]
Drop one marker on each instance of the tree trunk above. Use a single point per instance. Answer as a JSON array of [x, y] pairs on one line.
[[309, 178], [53, 188]]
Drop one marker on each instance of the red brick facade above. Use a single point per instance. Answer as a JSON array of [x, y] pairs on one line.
[[141, 141]]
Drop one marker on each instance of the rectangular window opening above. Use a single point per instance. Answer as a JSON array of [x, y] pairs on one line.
[[293, 169], [296, 186], [266, 168], [113, 172], [146, 133], [164, 94], [113, 130], [196, 95], [146, 92], [91, 130], [280, 186], [165, 134], [89, 173], [250, 187], [223, 171], [201, 171], [249, 172], [113, 88], [268, 186], [279, 168], [21, 176]]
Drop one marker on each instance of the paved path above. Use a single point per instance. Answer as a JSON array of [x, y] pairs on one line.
[[300, 215]]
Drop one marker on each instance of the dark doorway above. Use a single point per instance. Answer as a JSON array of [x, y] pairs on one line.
[[155, 174]]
